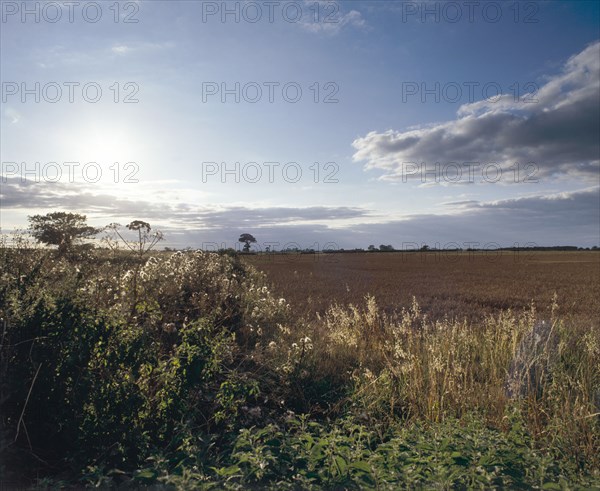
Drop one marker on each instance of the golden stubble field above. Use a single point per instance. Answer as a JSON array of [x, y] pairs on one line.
[[454, 284]]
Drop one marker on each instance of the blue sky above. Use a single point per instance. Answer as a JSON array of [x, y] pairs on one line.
[[371, 142]]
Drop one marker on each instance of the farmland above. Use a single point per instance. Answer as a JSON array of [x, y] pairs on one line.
[[446, 284], [195, 370]]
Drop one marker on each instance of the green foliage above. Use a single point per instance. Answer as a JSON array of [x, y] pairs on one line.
[[303, 454], [182, 369]]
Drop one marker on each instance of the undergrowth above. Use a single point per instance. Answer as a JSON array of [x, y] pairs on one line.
[[183, 370]]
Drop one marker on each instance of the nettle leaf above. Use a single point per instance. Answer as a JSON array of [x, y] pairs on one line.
[[146, 474], [341, 464], [317, 452], [230, 471], [361, 466], [551, 485]]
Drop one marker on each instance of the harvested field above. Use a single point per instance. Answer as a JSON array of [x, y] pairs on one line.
[[454, 284]]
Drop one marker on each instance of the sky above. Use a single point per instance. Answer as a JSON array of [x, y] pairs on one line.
[[309, 124]]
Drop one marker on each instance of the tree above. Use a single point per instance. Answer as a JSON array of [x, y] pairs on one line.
[[372, 248], [61, 229], [247, 239], [386, 248]]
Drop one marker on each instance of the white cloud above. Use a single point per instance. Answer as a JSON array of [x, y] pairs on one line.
[[121, 49], [324, 16], [559, 133], [12, 115]]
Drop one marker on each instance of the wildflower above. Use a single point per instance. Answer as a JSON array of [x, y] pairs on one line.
[[170, 327], [306, 343]]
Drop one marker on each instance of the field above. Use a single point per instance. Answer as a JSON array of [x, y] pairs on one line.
[[446, 284], [195, 370]]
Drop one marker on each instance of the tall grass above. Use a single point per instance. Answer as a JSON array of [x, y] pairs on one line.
[[409, 368]]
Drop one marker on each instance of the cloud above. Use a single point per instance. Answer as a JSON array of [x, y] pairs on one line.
[[124, 49], [325, 16], [570, 218], [551, 219], [12, 115], [558, 133], [561, 219], [237, 216], [121, 49], [30, 195], [553, 211]]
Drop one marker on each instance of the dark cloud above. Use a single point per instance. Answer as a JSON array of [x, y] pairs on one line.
[[277, 216], [560, 219], [559, 132], [568, 217], [40, 196]]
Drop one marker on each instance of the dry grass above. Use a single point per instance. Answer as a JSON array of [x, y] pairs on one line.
[[406, 366]]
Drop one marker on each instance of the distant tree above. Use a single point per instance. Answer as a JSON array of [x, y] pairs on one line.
[[61, 229], [372, 248], [425, 247], [247, 239], [386, 248]]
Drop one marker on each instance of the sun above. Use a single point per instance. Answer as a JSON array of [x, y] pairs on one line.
[[105, 145], [106, 156]]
